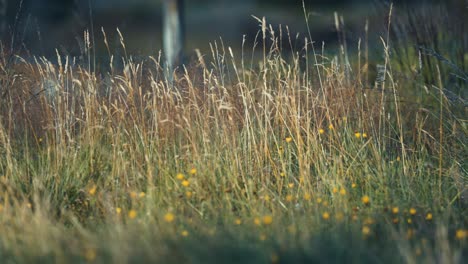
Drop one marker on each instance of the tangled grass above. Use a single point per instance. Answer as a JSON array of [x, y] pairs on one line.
[[289, 160]]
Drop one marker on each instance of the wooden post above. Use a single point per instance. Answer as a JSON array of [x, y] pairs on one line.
[[173, 34]]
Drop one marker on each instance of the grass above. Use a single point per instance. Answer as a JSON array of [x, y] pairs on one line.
[[289, 160]]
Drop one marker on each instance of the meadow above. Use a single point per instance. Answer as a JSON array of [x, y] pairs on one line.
[[309, 156]]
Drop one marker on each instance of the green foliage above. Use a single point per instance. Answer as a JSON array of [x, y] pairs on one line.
[[268, 164]]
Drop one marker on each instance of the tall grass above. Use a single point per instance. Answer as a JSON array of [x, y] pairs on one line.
[[271, 163]]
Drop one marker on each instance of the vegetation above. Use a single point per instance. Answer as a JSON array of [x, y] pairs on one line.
[[300, 157]]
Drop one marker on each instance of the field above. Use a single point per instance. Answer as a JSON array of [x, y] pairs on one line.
[[281, 157]]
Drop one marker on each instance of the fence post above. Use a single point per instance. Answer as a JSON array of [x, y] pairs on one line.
[[173, 34]]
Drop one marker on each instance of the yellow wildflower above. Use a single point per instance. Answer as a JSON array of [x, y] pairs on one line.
[[180, 176], [169, 217], [343, 191], [307, 197], [185, 183], [353, 185], [188, 194], [365, 200], [412, 211], [193, 171], [267, 220], [326, 216], [132, 214], [429, 217], [184, 233], [331, 127], [257, 221], [461, 234], [92, 190], [366, 230], [289, 198], [118, 210], [395, 210], [288, 139], [364, 135], [321, 131], [238, 221], [357, 135], [141, 194]]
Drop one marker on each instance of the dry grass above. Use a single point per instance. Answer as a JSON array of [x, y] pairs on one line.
[[279, 162]]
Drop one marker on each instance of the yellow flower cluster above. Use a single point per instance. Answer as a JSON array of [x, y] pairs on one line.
[[184, 181], [360, 135]]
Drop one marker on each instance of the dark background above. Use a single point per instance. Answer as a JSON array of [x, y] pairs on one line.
[[38, 27]]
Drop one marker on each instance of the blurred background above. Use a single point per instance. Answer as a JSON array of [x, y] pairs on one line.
[[38, 27]]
